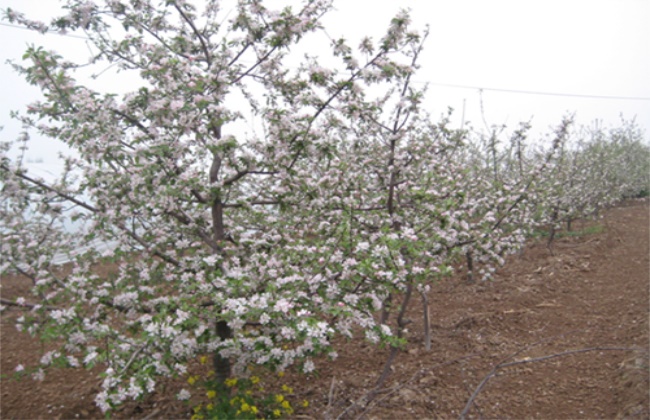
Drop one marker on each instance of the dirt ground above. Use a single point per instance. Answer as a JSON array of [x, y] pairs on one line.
[[561, 336]]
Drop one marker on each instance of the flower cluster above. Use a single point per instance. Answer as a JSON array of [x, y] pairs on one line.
[[246, 397]]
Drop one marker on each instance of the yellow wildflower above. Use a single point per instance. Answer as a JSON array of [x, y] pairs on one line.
[[277, 413], [192, 380], [209, 407], [230, 382], [287, 389], [279, 398], [211, 393], [254, 410], [286, 405], [255, 380], [245, 407], [281, 374], [203, 359], [305, 403]]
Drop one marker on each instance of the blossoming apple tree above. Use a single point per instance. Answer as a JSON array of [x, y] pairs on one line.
[[230, 242], [594, 169]]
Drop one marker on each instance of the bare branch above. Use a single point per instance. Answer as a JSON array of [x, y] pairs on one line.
[[206, 52], [133, 356], [26, 305], [51, 189], [502, 365]]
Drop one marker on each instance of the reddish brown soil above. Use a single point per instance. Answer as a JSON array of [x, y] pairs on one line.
[[588, 305]]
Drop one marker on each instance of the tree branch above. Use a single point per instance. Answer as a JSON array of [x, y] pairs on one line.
[[26, 305], [204, 47], [503, 365], [50, 189]]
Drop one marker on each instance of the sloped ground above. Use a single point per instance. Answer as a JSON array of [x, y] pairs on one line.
[[575, 324]]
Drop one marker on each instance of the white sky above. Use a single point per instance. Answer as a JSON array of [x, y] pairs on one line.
[[572, 47]]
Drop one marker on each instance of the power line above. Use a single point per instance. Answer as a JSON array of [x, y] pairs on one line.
[[533, 92], [9, 25], [450, 85]]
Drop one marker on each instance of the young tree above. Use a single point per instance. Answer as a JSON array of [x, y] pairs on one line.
[[214, 229], [595, 169]]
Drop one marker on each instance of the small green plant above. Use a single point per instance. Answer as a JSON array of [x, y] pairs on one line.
[[590, 230], [241, 398]]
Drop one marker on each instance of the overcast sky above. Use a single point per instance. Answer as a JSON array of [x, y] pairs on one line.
[[527, 60]]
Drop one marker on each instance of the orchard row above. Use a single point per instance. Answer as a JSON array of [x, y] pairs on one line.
[[259, 246]]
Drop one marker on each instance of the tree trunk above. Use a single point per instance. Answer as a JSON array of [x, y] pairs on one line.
[[223, 331], [222, 364], [470, 267], [427, 321]]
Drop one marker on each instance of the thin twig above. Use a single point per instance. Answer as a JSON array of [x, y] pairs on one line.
[[151, 415], [390, 391], [26, 305], [502, 365], [198, 34], [350, 407], [330, 397], [132, 358]]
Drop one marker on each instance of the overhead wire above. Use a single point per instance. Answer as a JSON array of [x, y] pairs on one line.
[[534, 92], [449, 85], [10, 25]]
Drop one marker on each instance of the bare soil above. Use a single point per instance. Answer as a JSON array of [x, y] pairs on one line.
[[552, 336]]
